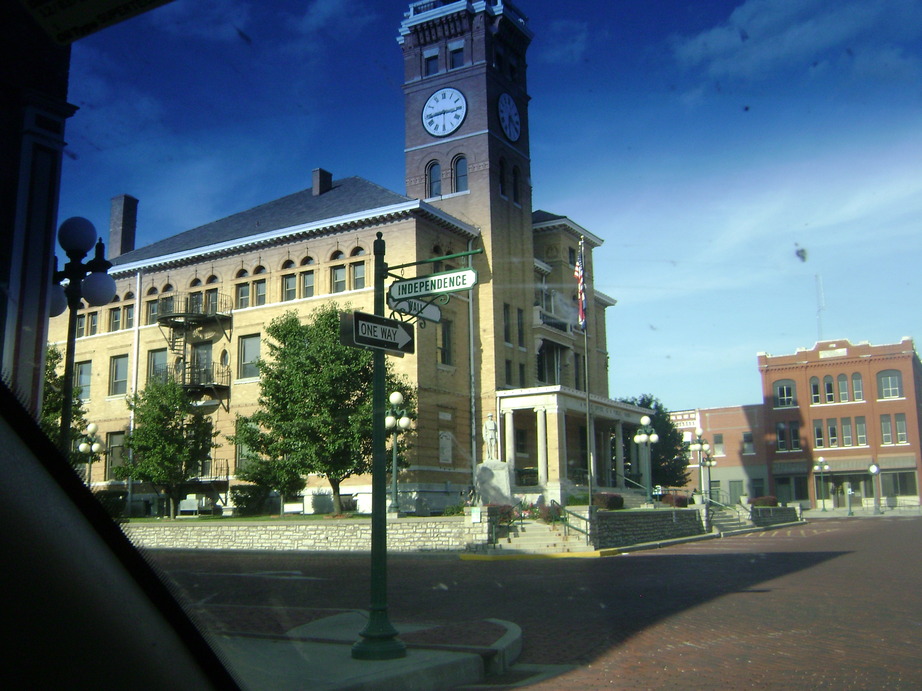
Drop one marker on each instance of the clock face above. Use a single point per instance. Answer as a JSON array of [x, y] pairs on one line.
[[444, 112], [509, 117]]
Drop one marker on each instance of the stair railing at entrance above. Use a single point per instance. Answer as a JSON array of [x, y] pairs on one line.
[[629, 481], [565, 518], [743, 513]]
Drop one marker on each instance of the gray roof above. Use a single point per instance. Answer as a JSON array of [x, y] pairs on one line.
[[348, 196]]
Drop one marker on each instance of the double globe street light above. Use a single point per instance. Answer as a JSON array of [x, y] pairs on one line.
[[645, 436], [78, 281], [396, 421], [821, 467]]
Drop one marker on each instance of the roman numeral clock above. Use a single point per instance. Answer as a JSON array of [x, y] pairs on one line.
[[444, 112]]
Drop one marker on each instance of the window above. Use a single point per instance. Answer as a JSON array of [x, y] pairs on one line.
[[795, 436], [434, 180], [156, 364], [128, 315], [815, 390], [338, 279], [901, 436], [520, 326], [455, 58], [857, 387], [118, 375], [289, 287], [828, 389], [211, 301], [889, 384], [307, 284], [861, 433], [781, 438], [82, 377], [115, 319], [719, 445], [886, 430], [818, 438], [358, 275], [443, 342], [247, 357], [785, 394], [81, 325], [460, 170], [843, 388], [115, 452], [92, 323], [748, 443], [507, 327], [522, 375], [508, 372], [571, 255], [259, 292], [431, 65], [832, 432], [521, 441], [242, 296], [898, 484], [757, 487], [152, 309], [846, 431], [196, 300]]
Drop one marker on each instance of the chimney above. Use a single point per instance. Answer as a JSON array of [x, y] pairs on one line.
[[322, 181], [123, 223]]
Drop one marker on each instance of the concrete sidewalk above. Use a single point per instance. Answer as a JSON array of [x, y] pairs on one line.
[[318, 655]]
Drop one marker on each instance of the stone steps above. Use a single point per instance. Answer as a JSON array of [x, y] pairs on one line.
[[534, 537]]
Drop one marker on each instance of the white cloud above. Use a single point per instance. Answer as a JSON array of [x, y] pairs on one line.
[[566, 42]]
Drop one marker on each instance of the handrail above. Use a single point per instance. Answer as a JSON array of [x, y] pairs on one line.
[[627, 479], [567, 525]]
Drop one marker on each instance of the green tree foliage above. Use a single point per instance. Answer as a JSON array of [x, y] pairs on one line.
[[315, 407], [668, 456], [169, 441], [53, 402]]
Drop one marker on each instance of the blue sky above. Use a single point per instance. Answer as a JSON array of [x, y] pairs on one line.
[[740, 159]]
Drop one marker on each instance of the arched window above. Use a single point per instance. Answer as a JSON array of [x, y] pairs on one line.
[[828, 389], [307, 260], [460, 174], [242, 273], [167, 288], [195, 282], [889, 384], [287, 264], [842, 382], [857, 387], [434, 180], [357, 252], [259, 270], [516, 197], [338, 254], [785, 393], [212, 279], [815, 395]]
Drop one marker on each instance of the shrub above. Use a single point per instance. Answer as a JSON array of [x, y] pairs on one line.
[[679, 501], [764, 501], [453, 510], [249, 499], [550, 513], [578, 500], [504, 513], [605, 500]]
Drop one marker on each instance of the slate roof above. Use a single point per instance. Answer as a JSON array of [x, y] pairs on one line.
[[352, 195]]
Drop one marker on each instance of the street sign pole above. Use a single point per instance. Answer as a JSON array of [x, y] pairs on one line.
[[379, 638]]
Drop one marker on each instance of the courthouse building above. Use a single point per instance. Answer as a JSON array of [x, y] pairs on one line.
[[196, 305]]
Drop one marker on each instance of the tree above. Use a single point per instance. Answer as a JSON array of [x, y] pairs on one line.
[[315, 407], [668, 456], [170, 439], [53, 402]]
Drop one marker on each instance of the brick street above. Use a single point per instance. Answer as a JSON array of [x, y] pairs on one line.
[[835, 603]]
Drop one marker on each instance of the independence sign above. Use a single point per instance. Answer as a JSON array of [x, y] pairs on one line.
[[434, 284]]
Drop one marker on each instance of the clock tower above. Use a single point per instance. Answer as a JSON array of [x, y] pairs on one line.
[[467, 153]]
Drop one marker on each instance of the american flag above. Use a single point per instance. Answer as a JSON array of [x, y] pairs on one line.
[[580, 274]]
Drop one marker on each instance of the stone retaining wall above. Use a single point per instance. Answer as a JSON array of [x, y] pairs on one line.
[[623, 528], [773, 515], [454, 533]]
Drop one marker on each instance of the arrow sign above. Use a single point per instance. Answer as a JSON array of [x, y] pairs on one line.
[[416, 308], [372, 331], [434, 284]]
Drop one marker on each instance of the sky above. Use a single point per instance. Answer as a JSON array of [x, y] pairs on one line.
[[753, 166]]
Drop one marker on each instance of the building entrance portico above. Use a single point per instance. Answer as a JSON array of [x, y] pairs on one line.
[[544, 441]]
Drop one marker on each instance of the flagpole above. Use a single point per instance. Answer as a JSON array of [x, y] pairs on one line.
[[584, 323]]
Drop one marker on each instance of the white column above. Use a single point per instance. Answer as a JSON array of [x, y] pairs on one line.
[[619, 453], [508, 439], [541, 419]]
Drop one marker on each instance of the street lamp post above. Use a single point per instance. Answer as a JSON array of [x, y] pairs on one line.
[[821, 467], [84, 281], [645, 436], [396, 421], [90, 446], [707, 462], [700, 445], [874, 470]]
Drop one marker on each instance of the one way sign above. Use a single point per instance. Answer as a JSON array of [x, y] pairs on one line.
[[372, 331]]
